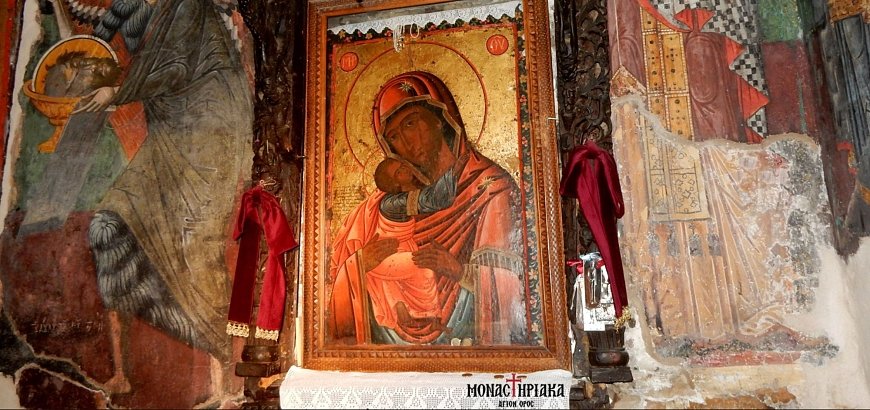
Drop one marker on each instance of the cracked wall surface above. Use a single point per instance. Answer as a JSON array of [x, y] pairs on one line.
[[728, 238]]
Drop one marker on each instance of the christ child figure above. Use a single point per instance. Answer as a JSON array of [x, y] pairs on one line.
[[400, 290]]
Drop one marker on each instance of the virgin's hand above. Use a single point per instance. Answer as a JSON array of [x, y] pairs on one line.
[[438, 259], [97, 100], [376, 250]]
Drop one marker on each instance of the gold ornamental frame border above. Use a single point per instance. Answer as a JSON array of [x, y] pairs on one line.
[[554, 353]]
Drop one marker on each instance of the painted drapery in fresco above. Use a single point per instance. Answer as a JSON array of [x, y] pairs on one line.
[[140, 238], [844, 34]]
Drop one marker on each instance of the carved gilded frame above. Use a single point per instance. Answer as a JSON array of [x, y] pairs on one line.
[[552, 352]]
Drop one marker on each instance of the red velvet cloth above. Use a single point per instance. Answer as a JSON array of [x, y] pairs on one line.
[[259, 214], [590, 175]]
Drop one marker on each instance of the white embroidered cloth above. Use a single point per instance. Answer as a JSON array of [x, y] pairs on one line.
[[305, 388], [495, 9]]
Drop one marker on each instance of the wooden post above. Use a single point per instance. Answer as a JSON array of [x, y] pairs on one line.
[[583, 87], [277, 30]]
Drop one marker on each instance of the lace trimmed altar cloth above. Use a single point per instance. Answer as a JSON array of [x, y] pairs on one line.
[[305, 388]]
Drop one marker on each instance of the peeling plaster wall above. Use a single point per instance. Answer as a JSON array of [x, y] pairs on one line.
[[841, 382], [741, 297], [856, 290], [832, 374], [841, 311]]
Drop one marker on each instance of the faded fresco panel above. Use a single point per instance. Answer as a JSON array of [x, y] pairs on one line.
[[723, 233], [716, 290], [677, 190], [135, 142]]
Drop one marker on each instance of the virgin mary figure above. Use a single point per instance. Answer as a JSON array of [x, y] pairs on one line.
[[473, 245]]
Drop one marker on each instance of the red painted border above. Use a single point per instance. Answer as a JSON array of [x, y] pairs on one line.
[[7, 19]]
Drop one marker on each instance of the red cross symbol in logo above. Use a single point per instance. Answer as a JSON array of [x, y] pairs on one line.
[[513, 381]]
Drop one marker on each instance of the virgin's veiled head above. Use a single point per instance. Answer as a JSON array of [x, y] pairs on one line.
[[410, 97]]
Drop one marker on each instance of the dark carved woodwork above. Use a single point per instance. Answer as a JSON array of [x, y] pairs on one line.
[[263, 398], [257, 370], [277, 31], [583, 73], [583, 90], [607, 356], [583, 87], [260, 354], [606, 348]]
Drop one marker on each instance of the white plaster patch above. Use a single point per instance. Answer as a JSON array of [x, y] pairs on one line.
[[677, 384], [8, 396], [841, 309]]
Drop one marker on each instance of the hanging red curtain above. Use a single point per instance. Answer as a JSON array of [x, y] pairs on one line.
[[260, 214], [590, 175]]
